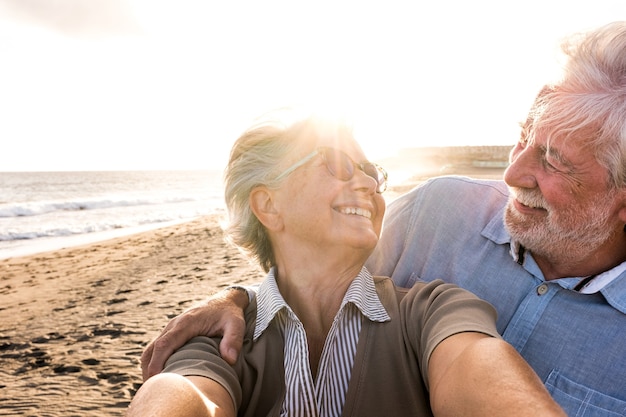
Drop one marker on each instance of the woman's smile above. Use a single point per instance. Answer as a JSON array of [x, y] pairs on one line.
[[356, 211]]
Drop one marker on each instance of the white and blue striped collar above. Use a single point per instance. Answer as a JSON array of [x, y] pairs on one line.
[[362, 293]]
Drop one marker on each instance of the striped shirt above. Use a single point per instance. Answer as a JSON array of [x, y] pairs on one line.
[[324, 397]]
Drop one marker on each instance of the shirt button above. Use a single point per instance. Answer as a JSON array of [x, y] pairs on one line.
[[542, 289]]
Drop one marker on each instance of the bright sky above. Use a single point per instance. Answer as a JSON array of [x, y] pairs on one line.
[[155, 84]]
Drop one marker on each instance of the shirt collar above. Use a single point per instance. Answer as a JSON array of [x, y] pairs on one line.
[[613, 281], [615, 292], [612, 285], [361, 292], [602, 280]]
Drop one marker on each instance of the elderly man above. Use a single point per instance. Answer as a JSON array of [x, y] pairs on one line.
[[546, 247]]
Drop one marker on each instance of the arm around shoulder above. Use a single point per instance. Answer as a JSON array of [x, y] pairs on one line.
[[221, 315]]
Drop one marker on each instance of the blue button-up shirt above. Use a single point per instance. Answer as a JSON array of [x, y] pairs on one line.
[[452, 228]]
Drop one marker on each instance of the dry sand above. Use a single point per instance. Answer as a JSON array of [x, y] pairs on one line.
[[73, 322]]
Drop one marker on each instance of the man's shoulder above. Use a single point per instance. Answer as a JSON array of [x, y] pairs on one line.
[[447, 192], [468, 184]]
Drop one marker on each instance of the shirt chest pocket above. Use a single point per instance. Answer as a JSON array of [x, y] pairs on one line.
[[580, 401]]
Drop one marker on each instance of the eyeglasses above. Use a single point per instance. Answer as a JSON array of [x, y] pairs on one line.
[[341, 166]]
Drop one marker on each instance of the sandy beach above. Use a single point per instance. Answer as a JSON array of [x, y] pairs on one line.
[[73, 322]]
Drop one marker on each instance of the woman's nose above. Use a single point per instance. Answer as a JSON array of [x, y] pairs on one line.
[[364, 181]]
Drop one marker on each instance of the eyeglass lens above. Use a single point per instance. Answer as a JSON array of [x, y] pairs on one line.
[[341, 166]]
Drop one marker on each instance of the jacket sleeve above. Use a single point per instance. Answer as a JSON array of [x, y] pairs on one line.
[[200, 357], [434, 311]]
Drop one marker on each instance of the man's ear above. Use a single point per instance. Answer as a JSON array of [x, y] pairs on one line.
[[622, 212], [622, 207], [261, 202]]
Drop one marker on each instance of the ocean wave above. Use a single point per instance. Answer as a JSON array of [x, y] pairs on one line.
[[93, 227], [43, 207]]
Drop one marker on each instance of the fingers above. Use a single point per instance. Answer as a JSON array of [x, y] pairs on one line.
[[146, 357], [177, 332], [160, 349], [221, 315], [232, 341]]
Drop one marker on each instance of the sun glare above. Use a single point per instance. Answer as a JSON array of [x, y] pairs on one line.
[[186, 76]]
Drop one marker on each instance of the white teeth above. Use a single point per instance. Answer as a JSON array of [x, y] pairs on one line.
[[528, 199], [531, 204], [358, 211]]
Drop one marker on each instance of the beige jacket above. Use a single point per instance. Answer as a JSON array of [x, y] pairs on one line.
[[389, 377]]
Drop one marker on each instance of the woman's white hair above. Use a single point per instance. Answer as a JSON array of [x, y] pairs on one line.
[[257, 158]]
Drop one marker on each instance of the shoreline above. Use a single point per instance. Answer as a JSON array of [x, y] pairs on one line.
[[408, 180], [29, 247]]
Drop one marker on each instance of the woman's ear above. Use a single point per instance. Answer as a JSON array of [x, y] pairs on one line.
[[262, 203]]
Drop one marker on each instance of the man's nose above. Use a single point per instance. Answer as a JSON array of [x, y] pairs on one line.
[[523, 167]]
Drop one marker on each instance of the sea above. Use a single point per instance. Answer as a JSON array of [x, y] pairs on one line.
[[41, 211], [44, 211]]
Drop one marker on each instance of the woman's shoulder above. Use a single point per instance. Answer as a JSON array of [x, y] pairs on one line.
[[388, 291], [421, 292]]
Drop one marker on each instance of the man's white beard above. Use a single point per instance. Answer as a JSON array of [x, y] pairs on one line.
[[566, 236]]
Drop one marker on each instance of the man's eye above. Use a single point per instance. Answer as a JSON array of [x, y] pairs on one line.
[[549, 165]]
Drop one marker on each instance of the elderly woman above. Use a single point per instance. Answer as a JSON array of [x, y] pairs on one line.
[[324, 337]]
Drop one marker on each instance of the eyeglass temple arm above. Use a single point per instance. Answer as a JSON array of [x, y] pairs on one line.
[[297, 165]]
